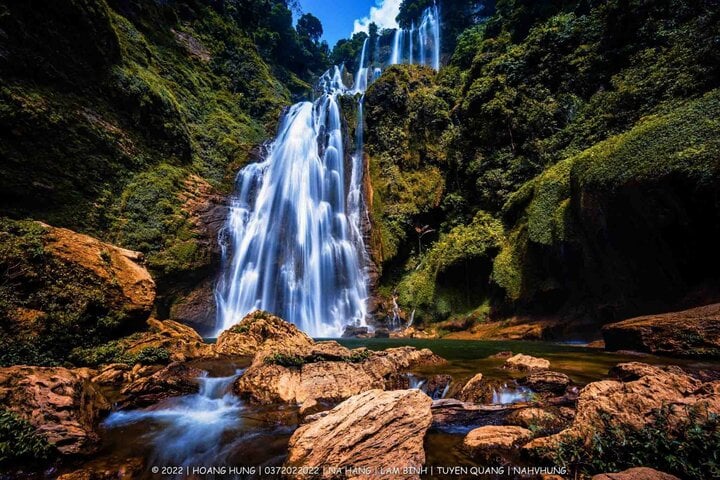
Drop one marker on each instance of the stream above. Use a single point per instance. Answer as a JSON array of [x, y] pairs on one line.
[[215, 428]]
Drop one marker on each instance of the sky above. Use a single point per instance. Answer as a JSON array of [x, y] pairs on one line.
[[342, 18]]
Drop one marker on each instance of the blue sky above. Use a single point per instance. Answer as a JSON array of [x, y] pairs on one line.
[[340, 18]]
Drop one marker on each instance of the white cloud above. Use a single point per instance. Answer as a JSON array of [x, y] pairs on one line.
[[383, 14]]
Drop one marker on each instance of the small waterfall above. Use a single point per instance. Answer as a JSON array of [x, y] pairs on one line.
[[427, 45], [193, 426], [295, 246], [506, 395]]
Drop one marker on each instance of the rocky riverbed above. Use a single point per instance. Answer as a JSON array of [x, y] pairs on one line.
[[268, 398]]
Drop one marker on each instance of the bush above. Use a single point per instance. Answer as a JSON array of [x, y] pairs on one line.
[[689, 449], [20, 443]]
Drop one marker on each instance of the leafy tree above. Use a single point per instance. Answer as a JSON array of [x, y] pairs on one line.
[[309, 26]]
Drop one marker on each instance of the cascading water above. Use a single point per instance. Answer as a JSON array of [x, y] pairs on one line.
[[296, 247], [192, 427], [294, 243], [425, 39]]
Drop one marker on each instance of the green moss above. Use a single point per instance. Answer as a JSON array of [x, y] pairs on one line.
[[20, 443], [436, 287]]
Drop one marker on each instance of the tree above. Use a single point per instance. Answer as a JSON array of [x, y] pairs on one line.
[[309, 26]]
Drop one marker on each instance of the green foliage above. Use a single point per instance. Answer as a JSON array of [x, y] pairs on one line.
[[116, 352], [434, 286], [20, 444], [297, 361], [688, 449]]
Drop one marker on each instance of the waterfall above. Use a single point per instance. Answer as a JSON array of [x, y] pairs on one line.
[[293, 242], [425, 38], [295, 245], [192, 427]]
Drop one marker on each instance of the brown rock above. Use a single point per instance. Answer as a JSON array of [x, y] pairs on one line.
[[638, 473], [262, 332], [173, 380], [546, 382], [634, 403], [181, 341], [449, 412], [110, 264], [535, 418], [62, 404], [473, 391], [375, 429], [526, 362], [694, 332], [491, 438], [330, 381]]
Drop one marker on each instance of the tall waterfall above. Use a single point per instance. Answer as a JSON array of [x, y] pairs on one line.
[[293, 240], [295, 243], [419, 45]]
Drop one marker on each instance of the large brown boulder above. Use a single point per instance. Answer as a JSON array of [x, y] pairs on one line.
[[112, 265], [262, 332], [327, 372], [634, 403], [694, 332], [637, 473], [62, 404], [371, 431], [490, 439]]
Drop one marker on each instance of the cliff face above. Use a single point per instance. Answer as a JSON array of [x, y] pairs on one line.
[[128, 119], [585, 141]]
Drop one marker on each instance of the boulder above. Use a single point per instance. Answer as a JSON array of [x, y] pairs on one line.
[[373, 430], [694, 332], [181, 341], [535, 419], [638, 473], [114, 266], [118, 374], [473, 391], [262, 332], [546, 382], [526, 362], [314, 374], [634, 403], [490, 439], [62, 404], [174, 380]]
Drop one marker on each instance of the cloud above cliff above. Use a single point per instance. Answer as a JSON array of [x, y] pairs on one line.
[[383, 14]]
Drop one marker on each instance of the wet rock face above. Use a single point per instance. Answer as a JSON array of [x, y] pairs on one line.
[[694, 332], [262, 333], [61, 403], [375, 428]]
